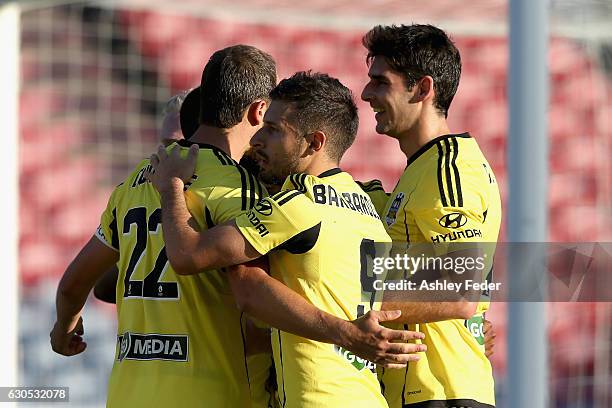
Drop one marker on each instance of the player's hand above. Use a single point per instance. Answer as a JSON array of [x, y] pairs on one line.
[[68, 342], [171, 168], [381, 345], [489, 338]]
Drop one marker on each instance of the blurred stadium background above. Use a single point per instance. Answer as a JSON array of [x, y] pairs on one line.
[[95, 75]]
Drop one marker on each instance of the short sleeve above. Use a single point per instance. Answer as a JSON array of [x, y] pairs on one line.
[[287, 220], [226, 203], [377, 194], [107, 230], [234, 192]]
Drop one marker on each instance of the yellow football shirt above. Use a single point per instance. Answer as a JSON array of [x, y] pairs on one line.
[[180, 338], [314, 232], [447, 194], [377, 194]]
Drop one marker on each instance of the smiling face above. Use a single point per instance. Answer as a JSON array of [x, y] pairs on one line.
[[388, 96], [278, 146]]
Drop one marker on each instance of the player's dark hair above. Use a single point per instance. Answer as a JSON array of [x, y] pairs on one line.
[[190, 112], [320, 102], [416, 51], [233, 78]]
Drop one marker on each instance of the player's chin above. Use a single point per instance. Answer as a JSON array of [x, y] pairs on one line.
[[382, 128], [267, 177], [264, 171]]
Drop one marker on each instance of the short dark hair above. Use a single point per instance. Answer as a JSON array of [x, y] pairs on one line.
[[233, 78], [320, 102], [416, 51]]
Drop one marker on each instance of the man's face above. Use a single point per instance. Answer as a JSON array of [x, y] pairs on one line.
[[388, 96], [277, 146], [170, 129]]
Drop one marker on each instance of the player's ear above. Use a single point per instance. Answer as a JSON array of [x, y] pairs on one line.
[[256, 111], [424, 89], [316, 141]]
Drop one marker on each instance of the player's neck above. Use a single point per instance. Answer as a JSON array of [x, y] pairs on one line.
[[317, 167], [421, 133], [228, 140]]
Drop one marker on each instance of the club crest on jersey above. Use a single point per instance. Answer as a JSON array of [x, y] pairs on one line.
[[395, 206]]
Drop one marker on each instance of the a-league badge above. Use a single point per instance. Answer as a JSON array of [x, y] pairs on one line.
[[395, 206]]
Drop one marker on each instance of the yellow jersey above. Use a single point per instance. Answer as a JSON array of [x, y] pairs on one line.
[[180, 338], [447, 194], [377, 194], [315, 232]]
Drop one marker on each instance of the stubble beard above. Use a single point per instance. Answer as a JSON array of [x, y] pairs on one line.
[[278, 174]]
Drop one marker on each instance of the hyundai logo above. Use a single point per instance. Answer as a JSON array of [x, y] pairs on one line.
[[453, 220], [264, 207]]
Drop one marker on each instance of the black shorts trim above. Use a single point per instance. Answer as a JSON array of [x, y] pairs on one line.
[[455, 403]]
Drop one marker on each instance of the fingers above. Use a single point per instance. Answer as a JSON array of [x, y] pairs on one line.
[[68, 343], [401, 335], [161, 152], [393, 366], [154, 159], [80, 348], [385, 315], [406, 349], [148, 175], [76, 346], [487, 325], [69, 346], [192, 155], [397, 355], [79, 327], [158, 157], [397, 360]]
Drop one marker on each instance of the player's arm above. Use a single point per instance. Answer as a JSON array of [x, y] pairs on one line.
[[271, 226], [96, 257], [257, 339], [268, 300], [425, 306], [106, 287], [466, 225], [191, 250], [426, 312], [79, 278]]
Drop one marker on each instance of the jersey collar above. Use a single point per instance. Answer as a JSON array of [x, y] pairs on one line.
[[431, 143], [330, 172], [187, 143]]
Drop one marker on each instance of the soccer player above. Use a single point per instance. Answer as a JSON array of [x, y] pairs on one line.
[[176, 122], [317, 232], [180, 121], [181, 338], [447, 194]]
